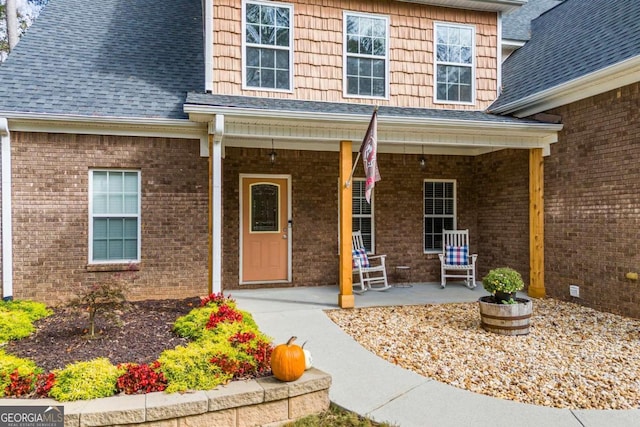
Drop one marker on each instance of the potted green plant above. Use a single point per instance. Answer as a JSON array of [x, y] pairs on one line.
[[503, 283], [502, 312]]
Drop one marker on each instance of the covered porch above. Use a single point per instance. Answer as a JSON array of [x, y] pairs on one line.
[[495, 165]]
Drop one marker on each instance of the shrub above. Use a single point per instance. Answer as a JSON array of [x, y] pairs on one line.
[[103, 298], [17, 375], [15, 325], [35, 310], [503, 279], [44, 382], [138, 379], [85, 380]]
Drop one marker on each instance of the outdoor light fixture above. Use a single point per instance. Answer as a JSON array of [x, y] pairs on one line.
[[423, 161], [272, 154]]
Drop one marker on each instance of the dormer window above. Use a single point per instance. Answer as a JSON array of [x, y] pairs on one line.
[[454, 60], [366, 56], [268, 41]]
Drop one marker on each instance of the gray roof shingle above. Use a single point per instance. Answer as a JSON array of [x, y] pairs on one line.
[[516, 25], [574, 39], [289, 105], [107, 58]]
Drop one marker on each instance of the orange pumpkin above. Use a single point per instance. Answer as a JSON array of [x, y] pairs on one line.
[[288, 361]]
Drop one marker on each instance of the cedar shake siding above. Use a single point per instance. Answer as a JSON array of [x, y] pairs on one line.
[[318, 51], [592, 205], [50, 215]]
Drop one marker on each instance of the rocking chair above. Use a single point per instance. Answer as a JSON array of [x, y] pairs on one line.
[[455, 257], [370, 268]]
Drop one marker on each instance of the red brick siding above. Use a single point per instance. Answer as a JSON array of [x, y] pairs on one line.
[[50, 213], [398, 210], [502, 189], [592, 183]]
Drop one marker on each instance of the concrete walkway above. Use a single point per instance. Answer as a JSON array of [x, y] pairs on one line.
[[370, 386]]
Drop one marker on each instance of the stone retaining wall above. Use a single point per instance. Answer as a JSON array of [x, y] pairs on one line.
[[261, 402]]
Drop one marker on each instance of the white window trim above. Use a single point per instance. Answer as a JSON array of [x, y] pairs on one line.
[[424, 214], [345, 93], [91, 216], [244, 45], [436, 63], [371, 215]]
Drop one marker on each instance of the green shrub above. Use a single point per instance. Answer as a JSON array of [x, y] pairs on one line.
[[189, 368], [15, 325], [10, 364], [85, 380], [194, 324], [35, 310]]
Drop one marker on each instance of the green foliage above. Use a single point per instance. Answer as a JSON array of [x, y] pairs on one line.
[[9, 364], [193, 325], [86, 380], [503, 279], [35, 310], [335, 417], [103, 298], [188, 367], [14, 325]]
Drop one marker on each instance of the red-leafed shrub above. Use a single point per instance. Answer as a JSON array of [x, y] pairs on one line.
[[217, 299], [20, 385], [139, 379], [249, 357], [44, 382], [225, 313]]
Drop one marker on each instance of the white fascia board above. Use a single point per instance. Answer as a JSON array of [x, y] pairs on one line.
[[285, 118], [615, 76], [512, 44], [147, 127], [482, 5]]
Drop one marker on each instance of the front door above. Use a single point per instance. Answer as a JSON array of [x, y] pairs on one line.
[[265, 231]]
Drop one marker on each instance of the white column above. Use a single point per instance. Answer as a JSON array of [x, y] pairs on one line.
[[216, 129], [7, 235]]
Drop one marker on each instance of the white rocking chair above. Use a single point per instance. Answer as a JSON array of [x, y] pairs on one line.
[[455, 257], [371, 269]]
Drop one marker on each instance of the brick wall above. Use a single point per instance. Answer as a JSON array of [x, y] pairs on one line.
[[398, 210], [318, 51], [502, 191], [592, 184], [50, 208]]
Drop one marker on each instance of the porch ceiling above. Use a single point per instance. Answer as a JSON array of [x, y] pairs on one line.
[[320, 126]]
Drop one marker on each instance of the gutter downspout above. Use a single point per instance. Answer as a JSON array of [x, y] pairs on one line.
[[208, 46], [7, 239]]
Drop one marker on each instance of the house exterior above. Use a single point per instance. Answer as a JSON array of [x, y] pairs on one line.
[[592, 174], [189, 147]]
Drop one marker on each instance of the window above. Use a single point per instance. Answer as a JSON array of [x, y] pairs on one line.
[[366, 55], [267, 45], [265, 200], [439, 212], [454, 56], [114, 210], [362, 213]]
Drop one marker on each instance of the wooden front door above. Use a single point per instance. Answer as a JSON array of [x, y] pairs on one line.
[[265, 248]]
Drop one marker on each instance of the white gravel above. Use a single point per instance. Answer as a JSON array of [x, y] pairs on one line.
[[574, 357]]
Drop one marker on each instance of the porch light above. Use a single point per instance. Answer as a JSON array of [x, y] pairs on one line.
[[423, 161], [272, 154]]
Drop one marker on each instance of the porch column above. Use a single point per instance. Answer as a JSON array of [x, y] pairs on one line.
[[345, 298], [536, 223], [7, 239], [216, 132]]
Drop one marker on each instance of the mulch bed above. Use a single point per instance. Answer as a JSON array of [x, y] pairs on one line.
[[143, 332]]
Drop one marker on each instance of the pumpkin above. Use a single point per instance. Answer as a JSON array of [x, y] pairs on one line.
[[308, 360], [288, 361]]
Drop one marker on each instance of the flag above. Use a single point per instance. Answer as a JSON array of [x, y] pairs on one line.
[[368, 151]]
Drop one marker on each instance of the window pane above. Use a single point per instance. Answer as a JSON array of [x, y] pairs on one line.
[[100, 183], [268, 15], [100, 250], [116, 182], [267, 58], [366, 45], [253, 77], [116, 228], [282, 17], [130, 249], [130, 228], [253, 34], [131, 182], [353, 43], [378, 88], [364, 67], [131, 203], [268, 36], [365, 86], [352, 85], [253, 57], [264, 207], [282, 37], [253, 13], [115, 204], [100, 203], [99, 228], [268, 78], [377, 68], [282, 79], [116, 249]]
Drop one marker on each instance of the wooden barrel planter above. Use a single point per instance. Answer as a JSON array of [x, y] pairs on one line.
[[505, 319]]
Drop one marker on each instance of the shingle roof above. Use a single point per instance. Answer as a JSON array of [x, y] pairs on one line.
[[107, 58], [575, 38], [516, 25], [288, 105]]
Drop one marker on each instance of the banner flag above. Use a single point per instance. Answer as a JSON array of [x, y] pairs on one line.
[[368, 151]]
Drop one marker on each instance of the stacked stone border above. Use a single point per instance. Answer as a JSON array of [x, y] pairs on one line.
[[261, 402]]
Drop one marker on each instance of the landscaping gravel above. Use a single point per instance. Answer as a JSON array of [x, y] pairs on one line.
[[575, 357]]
